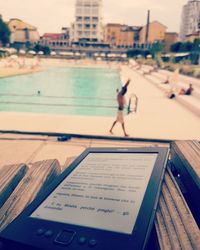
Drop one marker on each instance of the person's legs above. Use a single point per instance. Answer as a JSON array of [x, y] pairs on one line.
[[123, 127], [113, 126]]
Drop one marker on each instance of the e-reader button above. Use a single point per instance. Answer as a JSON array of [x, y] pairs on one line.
[[65, 237], [40, 231], [82, 240], [48, 233], [92, 243]]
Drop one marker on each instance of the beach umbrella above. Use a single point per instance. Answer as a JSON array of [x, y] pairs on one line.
[[40, 53], [149, 56], [22, 51], [124, 55], [77, 54], [166, 55], [181, 54], [32, 52], [64, 53], [53, 53], [103, 54]]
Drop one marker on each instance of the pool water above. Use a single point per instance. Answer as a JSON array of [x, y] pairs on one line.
[[71, 91]]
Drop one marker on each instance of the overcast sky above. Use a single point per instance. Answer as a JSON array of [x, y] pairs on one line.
[[51, 15]]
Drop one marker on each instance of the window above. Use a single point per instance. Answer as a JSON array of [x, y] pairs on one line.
[[78, 18]]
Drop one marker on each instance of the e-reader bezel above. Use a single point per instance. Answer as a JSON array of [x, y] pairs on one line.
[[23, 229]]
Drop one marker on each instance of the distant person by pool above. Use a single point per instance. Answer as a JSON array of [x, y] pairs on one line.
[[121, 104], [187, 91]]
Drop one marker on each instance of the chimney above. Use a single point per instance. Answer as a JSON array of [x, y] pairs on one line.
[[147, 28]]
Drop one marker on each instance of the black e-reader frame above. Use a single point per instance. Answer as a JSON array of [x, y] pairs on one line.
[[40, 225]]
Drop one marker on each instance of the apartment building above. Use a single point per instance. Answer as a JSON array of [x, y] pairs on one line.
[[88, 25], [22, 32], [156, 32], [134, 36], [190, 18], [56, 41], [170, 38], [119, 35]]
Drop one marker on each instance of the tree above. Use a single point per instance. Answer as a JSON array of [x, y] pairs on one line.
[[45, 49], [156, 48], [175, 47], [186, 47], [4, 32]]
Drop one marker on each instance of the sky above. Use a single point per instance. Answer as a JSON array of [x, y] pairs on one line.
[[52, 15]]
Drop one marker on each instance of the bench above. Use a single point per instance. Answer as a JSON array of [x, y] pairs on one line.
[[175, 225], [10, 176], [186, 162], [174, 222], [37, 178]]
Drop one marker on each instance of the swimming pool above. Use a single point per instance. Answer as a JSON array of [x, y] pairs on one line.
[[71, 91]]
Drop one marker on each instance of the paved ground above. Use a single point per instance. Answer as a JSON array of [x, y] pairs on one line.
[[31, 148], [157, 117]]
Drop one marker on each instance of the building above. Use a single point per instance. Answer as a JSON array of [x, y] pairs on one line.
[[119, 35], [193, 36], [22, 32], [190, 18], [88, 25], [170, 38], [156, 33], [56, 41]]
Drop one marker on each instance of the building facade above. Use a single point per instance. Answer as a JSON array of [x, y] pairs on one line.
[[22, 32], [56, 41], [192, 37], [88, 25], [118, 35], [170, 38], [190, 18], [156, 33]]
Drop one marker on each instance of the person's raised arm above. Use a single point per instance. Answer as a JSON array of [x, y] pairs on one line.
[[127, 83]]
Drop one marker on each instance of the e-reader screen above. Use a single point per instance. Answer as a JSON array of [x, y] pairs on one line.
[[105, 191]]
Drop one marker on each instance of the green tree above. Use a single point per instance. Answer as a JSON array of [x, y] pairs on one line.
[[186, 47], [156, 48], [45, 49], [4, 32], [175, 47]]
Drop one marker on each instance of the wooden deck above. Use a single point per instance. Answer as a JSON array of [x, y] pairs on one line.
[[26, 172]]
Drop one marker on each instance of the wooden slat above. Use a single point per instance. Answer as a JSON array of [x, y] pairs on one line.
[[10, 176], [163, 236], [171, 230], [175, 225], [185, 158], [38, 177], [184, 212]]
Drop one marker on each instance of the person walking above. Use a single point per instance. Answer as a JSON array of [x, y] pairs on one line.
[[121, 104]]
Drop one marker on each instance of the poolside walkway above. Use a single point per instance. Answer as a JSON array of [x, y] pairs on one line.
[[157, 117]]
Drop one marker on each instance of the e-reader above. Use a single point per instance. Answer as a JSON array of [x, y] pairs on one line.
[[106, 199]]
